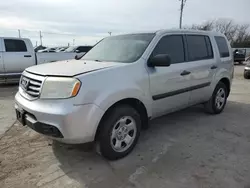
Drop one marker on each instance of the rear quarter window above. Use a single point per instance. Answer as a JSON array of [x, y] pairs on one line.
[[222, 46]]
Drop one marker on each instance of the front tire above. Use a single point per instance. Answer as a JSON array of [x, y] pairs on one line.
[[217, 102], [119, 133]]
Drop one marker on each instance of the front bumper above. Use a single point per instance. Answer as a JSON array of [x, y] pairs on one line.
[[60, 119]]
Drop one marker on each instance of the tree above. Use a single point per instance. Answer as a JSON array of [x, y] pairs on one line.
[[237, 34], [206, 26]]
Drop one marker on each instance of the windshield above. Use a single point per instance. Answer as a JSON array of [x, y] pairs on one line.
[[70, 49], [123, 48]]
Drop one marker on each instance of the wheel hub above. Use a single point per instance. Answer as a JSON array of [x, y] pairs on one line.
[[123, 134], [220, 98]]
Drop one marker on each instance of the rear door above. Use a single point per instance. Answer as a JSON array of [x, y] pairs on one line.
[[16, 56], [202, 65], [1, 57]]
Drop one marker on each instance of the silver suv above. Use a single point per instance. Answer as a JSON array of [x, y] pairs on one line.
[[110, 94]]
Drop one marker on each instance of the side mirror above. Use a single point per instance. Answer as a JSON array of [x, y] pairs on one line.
[[160, 60], [77, 51]]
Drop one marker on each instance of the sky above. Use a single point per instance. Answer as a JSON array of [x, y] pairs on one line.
[[82, 22]]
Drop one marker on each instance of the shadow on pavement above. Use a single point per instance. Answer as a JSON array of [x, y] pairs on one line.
[[182, 148]]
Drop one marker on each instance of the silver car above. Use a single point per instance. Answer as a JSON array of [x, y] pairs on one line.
[[113, 91]]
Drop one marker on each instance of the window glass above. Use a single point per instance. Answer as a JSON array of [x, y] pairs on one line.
[[173, 46], [197, 48], [123, 48], [13, 45], [223, 47]]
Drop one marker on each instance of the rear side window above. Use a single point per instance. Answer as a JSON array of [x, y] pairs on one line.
[[13, 45], [173, 46], [223, 47], [199, 47]]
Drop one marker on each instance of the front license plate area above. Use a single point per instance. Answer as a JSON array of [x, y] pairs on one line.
[[20, 117]]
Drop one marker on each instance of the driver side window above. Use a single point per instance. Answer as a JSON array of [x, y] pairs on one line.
[[172, 45]]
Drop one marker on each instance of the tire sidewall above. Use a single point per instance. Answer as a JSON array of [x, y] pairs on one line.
[[246, 75], [219, 86], [107, 126]]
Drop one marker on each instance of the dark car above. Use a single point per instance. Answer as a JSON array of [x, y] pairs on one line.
[[78, 49], [239, 55]]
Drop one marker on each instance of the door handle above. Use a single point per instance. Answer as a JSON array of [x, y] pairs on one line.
[[27, 56], [214, 67], [184, 73]]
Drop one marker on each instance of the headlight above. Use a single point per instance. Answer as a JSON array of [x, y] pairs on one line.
[[60, 88]]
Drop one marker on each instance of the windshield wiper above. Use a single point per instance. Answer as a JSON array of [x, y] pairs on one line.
[[97, 60]]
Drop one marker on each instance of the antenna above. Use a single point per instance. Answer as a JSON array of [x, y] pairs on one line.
[[183, 2]]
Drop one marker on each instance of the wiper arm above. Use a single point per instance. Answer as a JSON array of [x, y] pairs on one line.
[[97, 60]]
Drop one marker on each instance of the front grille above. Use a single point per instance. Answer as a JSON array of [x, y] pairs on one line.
[[31, 86]]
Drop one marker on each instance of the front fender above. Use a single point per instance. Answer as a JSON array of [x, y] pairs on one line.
[[106, 99]]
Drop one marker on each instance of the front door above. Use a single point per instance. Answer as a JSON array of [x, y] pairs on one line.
[[169, 85]]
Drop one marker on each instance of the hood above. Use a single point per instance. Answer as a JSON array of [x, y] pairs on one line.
[[69, 67]]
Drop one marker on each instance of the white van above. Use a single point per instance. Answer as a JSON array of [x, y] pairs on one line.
[[122, 83]]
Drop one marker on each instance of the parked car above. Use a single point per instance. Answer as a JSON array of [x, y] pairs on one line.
[[239, 55], [40, 47], [78, 49], [48, 50], [247, 71], [61, 49], [17, 54], [110, 94]]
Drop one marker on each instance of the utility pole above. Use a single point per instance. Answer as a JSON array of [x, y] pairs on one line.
[[40, 35], [19, 33], [73, 42], [181, 13]]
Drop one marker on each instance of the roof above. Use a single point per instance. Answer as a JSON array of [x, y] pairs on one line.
[[188, 31], [14, 38], [184, 31]]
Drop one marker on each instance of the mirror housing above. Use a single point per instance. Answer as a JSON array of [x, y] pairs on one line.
[[77, 51], [160, 60]]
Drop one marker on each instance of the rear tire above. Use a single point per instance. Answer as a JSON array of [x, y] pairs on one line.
[[119, 133], [217, 102]]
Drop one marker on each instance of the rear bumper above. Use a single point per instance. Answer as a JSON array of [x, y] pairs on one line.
[[60, 119], [239, 59]]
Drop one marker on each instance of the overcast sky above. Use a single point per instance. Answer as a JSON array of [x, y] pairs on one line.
[[87, 21]]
